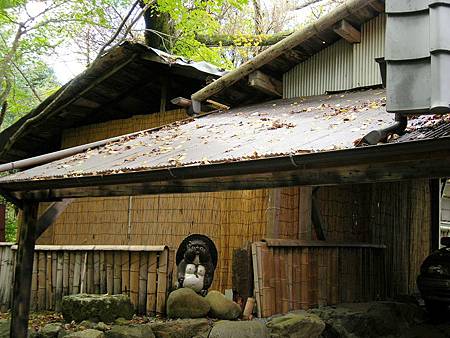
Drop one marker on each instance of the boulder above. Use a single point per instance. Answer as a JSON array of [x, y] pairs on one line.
[[182, 328], [101, 326], [374, 319], [130, 331], [221, 307], [50, 330], [89, 333], [186, 303], [296, 325], [96, 308], [236, 329]]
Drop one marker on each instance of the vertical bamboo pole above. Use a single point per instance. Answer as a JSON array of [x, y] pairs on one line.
[[65, 290], [151, 283], [142, 298], [134, 278], [102, 272], [24, 268], [34, 284], [109, 272], [48, 280], [41, 280], [162, 281], [96, 271], [125, 267], [59, 281], [117, 272], [54, 264]]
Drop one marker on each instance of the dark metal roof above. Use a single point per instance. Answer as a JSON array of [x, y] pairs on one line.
[[125, 81], [240, 93], [273, 129]]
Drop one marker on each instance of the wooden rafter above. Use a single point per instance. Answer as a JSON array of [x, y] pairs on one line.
[[265, 83], [345, 29]]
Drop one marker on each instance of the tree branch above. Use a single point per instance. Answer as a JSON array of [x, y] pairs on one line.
[[30, 85], [117, 32], [241, 40]]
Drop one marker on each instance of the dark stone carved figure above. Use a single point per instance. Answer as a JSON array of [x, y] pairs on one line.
[[196, 261]]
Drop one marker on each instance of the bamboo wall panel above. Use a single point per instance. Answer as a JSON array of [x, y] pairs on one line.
[[395, 214], [230, 219], [60, 271], [293, 278], [100, 131]]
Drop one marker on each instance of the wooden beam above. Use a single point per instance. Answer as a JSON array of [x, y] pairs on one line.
[[316, 217], [273, 213], [276, 242], [347, 31], [265, 83], [181, 101], [304, 213], [50, 215], [377, 6], [24, 266]]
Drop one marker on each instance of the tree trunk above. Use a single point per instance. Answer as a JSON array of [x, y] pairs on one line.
[[157, 29]]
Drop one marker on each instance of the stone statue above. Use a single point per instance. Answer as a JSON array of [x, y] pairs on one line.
[[196, 261]]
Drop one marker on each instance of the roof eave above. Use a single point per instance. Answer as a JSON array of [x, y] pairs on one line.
[[390, 162]]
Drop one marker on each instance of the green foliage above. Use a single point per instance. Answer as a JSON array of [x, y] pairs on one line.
[[198, 17], [10, 223]]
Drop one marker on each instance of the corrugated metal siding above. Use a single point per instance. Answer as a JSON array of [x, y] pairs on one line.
[[330, 69], [341, 66], [366, 71]]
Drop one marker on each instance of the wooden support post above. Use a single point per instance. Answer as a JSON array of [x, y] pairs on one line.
[[435, 200], [273, 213], [23, 273], [164, 87], [304, 213], [347, 31], [316, 217], [265, 83]]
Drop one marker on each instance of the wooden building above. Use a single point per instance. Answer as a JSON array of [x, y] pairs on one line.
[[285, 171]]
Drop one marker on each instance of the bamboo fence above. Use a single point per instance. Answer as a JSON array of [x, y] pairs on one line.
[[308, 274], [141, 272]]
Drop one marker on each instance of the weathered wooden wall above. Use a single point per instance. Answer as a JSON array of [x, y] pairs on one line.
[[141, 272], [301, 276]]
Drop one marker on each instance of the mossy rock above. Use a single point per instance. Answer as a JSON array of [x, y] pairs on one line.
[[96, 308], [186, 303], [296, 325], [89, 333], [130, 331], [221, 307], [237, 329], [182, 328]]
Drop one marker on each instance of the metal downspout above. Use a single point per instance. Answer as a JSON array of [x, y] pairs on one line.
[[376, 136]]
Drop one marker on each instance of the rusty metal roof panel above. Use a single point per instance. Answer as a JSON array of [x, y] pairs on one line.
[[276, 128]]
